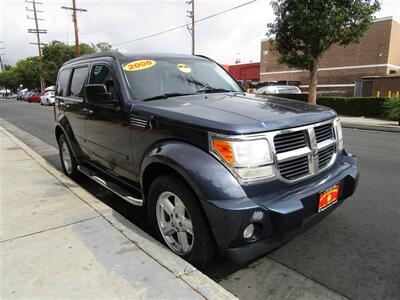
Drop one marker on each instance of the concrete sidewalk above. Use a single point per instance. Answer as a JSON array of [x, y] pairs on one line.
[[58, 241], [369, 124]]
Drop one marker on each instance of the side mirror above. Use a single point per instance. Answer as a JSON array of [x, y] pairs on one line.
[[98, 94]]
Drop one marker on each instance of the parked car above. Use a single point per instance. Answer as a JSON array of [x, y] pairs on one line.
[[13, 96], [279, 89], [28, 94], [34, 97], [21, 94], [48, 98], [215, 168]]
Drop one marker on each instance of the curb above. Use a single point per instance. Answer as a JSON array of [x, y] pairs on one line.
[[180, 268], [371, 127]]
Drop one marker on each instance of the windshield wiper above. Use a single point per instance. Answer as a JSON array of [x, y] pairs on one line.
[[167, 95], [210, 89]]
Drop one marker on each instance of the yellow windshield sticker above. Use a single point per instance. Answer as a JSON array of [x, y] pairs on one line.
[[184, 68], [139, 65]]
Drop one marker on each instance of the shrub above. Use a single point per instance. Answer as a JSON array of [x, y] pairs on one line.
[[392, 108], [355, 106], [350, 106]]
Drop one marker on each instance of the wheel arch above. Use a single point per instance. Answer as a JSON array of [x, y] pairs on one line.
[[206, 176], [64, 127]]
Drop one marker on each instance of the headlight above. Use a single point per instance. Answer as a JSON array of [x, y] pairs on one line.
[[248, 158], [339, 134]]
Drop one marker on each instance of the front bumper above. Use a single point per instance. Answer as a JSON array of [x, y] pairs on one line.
[[285, 212]]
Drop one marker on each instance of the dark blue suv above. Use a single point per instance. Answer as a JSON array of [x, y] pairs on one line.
[[217, 169]]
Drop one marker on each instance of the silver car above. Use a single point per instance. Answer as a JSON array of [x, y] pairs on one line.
[[279, 89]]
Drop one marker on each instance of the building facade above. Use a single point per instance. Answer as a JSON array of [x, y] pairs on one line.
[[248, 71], [342, 68]]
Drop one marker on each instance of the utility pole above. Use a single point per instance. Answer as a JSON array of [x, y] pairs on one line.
[[1, 60], [75, 20], [191, 27], [38, 32]]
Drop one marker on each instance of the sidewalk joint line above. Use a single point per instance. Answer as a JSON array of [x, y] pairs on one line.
[[46, 230]]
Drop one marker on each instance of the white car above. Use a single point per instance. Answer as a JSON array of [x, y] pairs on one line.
[[48, 98], [279, 89]]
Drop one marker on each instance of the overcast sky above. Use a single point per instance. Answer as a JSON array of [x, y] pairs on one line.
[[235, 34]]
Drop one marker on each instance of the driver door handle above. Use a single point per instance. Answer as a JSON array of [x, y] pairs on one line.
[[87, 111]]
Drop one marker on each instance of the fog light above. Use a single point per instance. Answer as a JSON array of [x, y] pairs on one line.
[[249, 231]]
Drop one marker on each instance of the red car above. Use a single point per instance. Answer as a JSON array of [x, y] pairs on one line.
[[34, 97]]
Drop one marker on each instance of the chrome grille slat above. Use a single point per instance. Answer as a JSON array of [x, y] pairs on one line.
[[325, 156], [289, 141], [292, 168], [324, 132]]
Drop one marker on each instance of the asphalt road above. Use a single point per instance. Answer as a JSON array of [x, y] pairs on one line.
[[355, 251]]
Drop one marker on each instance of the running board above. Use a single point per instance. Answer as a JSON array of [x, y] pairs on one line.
[[116, 189]]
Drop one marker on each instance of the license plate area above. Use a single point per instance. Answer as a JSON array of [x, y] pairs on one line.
[[328, 198]]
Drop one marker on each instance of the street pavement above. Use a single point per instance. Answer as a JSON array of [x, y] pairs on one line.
[[354, 252]]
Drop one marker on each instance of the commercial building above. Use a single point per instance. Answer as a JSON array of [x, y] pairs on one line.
[[343, 69], [248, 71]]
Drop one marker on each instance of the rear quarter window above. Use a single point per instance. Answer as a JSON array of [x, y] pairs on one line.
[[62, 84]]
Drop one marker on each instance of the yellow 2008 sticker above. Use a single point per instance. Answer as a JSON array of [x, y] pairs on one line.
[[138, 65], [184, 68]]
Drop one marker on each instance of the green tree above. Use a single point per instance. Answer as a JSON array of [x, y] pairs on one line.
[[7, 67], [9, 79], [304, 30], [55, 54], [102, 47], [27, 71]]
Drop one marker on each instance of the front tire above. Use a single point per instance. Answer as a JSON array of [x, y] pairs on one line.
[[178, 221], [68, 161]]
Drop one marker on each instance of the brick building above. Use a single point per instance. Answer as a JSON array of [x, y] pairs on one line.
[[342, 68]]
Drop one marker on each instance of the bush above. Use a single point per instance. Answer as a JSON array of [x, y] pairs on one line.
[[355, 106], [350, 106], [392, 108]]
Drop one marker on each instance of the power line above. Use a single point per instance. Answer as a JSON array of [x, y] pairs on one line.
[[184, 25], [75, 20]]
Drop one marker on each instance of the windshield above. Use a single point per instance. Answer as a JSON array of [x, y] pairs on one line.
[[151, 78]]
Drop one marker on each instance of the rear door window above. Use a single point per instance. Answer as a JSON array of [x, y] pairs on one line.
[[78, 81], [63, 81]]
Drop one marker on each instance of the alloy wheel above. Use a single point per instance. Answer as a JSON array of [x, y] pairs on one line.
[[174, 223], [66, 157]]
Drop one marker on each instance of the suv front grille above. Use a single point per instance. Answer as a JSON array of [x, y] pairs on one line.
[[305, 151], [294, 168], [325, 156], [289, 141], [324, 132]]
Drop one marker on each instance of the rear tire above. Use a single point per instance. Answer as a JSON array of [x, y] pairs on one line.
[[177, 220], [68, 161]]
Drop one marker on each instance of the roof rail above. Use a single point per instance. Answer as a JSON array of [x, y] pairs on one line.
[[113, 54]]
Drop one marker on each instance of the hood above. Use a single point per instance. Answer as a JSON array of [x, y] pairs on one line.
[[237, 113]]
